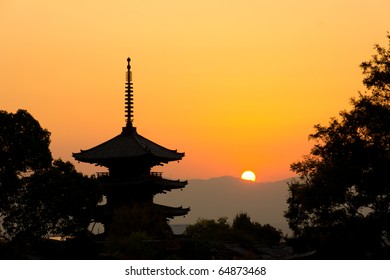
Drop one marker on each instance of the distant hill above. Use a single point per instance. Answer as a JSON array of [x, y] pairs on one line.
[[228, 196]]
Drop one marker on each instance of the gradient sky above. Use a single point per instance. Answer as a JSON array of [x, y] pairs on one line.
[[234, 84]]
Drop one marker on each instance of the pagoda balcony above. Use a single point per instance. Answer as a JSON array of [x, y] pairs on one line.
[[156, 174], [102, 174], [154, 177], [107, 174]]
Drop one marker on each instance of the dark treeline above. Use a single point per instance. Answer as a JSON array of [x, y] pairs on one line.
[[340, 205]]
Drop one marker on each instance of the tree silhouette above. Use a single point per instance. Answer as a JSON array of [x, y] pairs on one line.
[[377, 70], [24, 148], [242, 226], [344, 185], [38, 196], [254, 232]]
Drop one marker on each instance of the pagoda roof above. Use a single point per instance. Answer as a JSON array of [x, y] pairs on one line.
[[129, 144], [171, 212]]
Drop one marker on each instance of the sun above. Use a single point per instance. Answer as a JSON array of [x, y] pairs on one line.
[[249, 176]]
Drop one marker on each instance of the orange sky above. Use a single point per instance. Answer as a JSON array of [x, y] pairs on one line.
[[234, 84]]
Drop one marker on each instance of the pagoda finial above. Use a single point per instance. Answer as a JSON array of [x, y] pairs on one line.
[[129, 96]]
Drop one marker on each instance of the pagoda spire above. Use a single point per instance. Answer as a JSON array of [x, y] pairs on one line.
[[129, 96]]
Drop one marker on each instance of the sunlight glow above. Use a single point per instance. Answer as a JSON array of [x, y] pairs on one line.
[[249, 176]]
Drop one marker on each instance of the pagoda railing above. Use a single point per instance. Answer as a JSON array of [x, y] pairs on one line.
[[106, 174], [156, 174], [102, 174]]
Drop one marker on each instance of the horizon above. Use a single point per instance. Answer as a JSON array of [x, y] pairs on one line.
[[245, 181], [227, 196]]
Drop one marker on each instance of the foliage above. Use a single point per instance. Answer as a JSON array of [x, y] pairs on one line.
[[54, 201], [206, 238], [24, 149], [344, 182], [38, 196], [242, 230], [377, 70], [209, 229], [253, 232]]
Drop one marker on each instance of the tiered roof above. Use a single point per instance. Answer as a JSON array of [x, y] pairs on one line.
[[129, 144]]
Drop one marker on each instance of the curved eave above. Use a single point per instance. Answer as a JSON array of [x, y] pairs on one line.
[[168, 185], [127, 146], [171, 212]]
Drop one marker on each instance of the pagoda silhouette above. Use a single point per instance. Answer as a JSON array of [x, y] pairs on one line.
[[129, 158]]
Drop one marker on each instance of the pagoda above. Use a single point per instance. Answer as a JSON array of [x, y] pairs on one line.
[[129, 158]]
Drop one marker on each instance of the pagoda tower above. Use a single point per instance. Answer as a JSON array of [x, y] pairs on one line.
[[129, 158]]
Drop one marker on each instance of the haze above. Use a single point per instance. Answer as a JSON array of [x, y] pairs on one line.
[[226, 196]]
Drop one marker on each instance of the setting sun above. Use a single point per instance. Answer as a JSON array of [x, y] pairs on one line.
[[249, 176]]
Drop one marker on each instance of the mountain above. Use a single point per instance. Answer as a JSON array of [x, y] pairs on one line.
[[228, 196]]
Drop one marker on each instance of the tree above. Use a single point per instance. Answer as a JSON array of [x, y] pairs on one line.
[[24, 148], [57, 200], [377, 70], [255, 233], [344, 186], [38, 196], [211, 230], [242, 230]]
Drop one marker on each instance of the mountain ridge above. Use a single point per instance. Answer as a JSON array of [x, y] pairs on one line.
[[239, 179], [227, 196]]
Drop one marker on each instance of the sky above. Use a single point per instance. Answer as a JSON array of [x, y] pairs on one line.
[[235, 85]]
